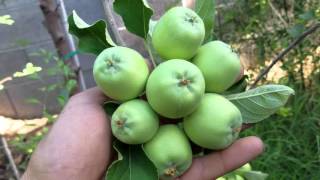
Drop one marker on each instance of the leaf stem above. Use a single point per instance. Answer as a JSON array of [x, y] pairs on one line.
[[150, 53]]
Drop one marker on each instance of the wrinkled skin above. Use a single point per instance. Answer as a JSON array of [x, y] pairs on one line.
[[134, 122], [170, 151], [215, 124], [221, 67], [121, 73], [178, 34], [175, 88]]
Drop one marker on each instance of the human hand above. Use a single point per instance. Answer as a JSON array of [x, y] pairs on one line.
[[78, 146]]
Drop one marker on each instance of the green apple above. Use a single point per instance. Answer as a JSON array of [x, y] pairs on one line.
[[178, 34], [170, 151], [221, 178], [233, 177], [243, 169], [175, 88], [236, 177], [215, 124], [121, 73], [134, 122], [220, 66]]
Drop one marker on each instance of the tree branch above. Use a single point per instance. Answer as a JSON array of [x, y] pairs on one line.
[[107, 4], [6, 79], [277, 14], [285, 51], [10, 158], [52, 21]]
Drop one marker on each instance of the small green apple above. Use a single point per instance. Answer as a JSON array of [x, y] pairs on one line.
[[238, 177], [170, 151], [134, 122], [121, 73], [220, 66], [221, 178], [215, 124], [178, 34], [243, 169], [175, 88], [233, 177]]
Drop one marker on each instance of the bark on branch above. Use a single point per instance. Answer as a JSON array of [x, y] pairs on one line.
[[10, 158], [285, 51], [54, 26]]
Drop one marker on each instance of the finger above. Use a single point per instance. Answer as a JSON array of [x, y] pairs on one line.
[[188, 3], [82, 130], [90, 96], [217, 164]]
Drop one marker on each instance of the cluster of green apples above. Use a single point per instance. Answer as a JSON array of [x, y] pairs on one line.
[[184, 89]]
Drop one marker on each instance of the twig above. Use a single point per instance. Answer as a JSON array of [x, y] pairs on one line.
[[111, 21], [277, 14], [191, 4], [10, 158], [284, 52], [2, 81], [75, 65], [150, 53]]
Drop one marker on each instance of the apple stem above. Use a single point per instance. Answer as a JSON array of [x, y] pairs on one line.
[[150, 54]]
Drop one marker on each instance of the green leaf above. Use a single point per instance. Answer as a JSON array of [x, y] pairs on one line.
[[52, 87], [296, 30], [71, 84], [22, 42], [135, 14], [132, 164], [63, 97], [6, 19], [110, 106], [66, 70], [33, 101], [53, 71], [51, 118], [206, 10], [309, 15], [28, 70], [238, 87], [34, 76], [255, 175], [259, 103], [92, 38]]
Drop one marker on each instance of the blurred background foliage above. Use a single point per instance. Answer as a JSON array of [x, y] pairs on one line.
[[260, 30]]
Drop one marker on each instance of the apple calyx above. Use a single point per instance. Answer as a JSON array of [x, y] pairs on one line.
[[184, 82], [120, 123], [109, 62], [171, 171], [191, 19]]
